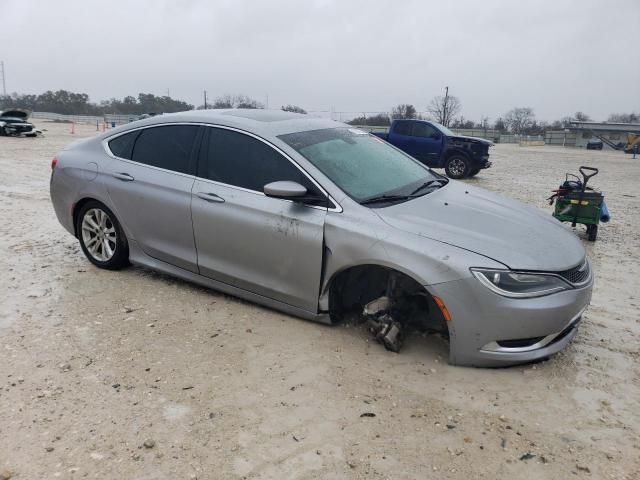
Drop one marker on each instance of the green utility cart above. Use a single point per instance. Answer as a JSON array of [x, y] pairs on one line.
[[576, 203]]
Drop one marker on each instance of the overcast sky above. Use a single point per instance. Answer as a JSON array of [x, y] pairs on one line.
[[355, 56]]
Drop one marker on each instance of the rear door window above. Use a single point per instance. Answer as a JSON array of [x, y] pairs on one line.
[[403, 128], [167, 147], [243, 161], [122, 146]]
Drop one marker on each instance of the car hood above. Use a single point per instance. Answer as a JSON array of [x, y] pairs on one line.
[[512, 233], [18, 114], [463, 138]]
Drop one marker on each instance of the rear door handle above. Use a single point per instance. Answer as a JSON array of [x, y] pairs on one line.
[[125, 177], [210, 197]]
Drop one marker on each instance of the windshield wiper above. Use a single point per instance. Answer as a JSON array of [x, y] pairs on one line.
[[385, 198], [440, 181]]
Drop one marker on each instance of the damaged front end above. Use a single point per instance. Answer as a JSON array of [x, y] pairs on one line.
[[388, 302], [13, 123], [383, 325]]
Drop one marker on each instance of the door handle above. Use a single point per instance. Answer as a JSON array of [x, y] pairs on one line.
[[210, 197], [125, 177]]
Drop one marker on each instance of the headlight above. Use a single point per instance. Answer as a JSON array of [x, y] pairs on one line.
[[519, 284]]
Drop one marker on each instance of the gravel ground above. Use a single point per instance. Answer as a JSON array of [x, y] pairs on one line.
[[137, 375]]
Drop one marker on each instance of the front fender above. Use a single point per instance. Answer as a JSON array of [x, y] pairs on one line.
[[365, 240]]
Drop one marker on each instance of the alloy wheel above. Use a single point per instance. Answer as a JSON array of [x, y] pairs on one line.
[[457, 166], [99, 234]]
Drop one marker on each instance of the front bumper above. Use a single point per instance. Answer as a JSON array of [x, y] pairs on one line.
[[489, 330]]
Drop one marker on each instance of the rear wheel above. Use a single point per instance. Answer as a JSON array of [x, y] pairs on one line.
[[592, 232], [456, 167], [101, 236]]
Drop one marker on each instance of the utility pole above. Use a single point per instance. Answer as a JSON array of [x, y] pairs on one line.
[[205, 99], [445, 109], [4, 84]]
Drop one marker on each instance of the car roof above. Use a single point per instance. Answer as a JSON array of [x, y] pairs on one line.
[[266, 123]]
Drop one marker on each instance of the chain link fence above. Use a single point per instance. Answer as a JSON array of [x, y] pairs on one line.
[[109, 118]]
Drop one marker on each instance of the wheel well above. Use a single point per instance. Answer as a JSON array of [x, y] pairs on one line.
[[451, 153], [353, 288], [76, 210]]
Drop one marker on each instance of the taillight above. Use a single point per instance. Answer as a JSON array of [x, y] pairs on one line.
[[54, 162]]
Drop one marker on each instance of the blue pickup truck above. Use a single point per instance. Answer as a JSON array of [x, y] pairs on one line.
[[438, 147]]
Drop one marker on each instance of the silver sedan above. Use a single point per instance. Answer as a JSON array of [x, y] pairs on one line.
[[322, 221]]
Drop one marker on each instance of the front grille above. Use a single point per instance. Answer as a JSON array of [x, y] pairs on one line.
[[577, 275]]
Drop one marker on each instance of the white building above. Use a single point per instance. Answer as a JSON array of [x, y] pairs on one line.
[[615, 133]]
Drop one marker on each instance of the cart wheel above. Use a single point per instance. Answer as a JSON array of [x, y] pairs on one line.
[[592, 232]]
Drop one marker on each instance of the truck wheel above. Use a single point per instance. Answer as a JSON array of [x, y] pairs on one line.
[[456, 167], [473, 172], [592, 232]]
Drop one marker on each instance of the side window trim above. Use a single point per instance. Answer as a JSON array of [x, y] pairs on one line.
[[203, 158], [204, 135], [193, 155]]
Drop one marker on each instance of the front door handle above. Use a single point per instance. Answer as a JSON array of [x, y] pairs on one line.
[[210, 197], [125, 177]]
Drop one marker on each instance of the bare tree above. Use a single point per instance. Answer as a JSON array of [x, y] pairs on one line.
[[293, 108], [378, 120], [624, 118], [403, 111], [444, 109], [462, 122], [236, 101], [520, 119], [581, 117]]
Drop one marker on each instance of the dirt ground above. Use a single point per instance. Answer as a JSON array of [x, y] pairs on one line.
[[136, 375]]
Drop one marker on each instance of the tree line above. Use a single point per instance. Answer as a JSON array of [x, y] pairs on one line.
[[442, 109], [519, 120], [72, 103]]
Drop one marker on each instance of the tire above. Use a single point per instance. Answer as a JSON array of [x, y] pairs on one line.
[[3, 133], [473, 172], [101, 237], [457, 167], [592, 232]]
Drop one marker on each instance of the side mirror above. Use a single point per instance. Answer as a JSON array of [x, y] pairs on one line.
[[285, 189]]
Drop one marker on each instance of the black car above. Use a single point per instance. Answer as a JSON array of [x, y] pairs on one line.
[[13, 123], [438, 147], [594, 144]]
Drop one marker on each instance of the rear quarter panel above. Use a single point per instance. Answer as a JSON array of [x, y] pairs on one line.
[[77, 176]]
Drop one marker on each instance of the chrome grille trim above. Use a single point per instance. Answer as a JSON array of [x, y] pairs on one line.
[[577, 276]]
